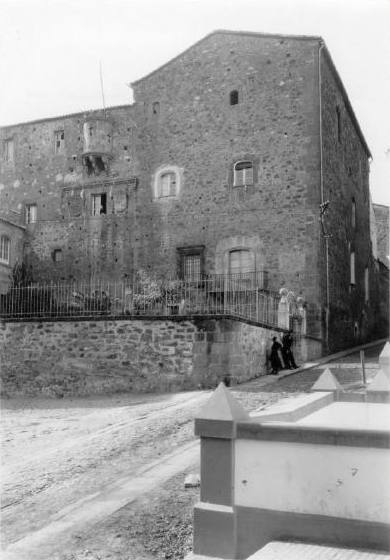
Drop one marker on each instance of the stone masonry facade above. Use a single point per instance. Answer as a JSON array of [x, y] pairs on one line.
[[12, 240], [68, 358], [224, 157]]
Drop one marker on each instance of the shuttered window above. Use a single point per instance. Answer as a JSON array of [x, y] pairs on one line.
[[241, 261], [31, 213], [5, 245], [167, 185], [243, 173]]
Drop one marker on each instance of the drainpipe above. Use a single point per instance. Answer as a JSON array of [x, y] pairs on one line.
[[323, 203]]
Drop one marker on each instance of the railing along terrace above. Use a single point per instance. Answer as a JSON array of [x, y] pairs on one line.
[[241, 295]]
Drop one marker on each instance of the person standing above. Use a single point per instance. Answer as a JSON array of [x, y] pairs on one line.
[[274, 357], [287, 352]]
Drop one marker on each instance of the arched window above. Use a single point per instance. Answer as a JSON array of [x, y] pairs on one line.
[[243, 173], [5, 247], [241, 261], [167, 182], [233, 97]]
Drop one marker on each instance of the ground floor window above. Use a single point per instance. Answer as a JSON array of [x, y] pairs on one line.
[[191, 262], [241, 261]]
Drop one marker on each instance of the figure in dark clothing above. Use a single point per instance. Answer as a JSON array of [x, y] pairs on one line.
[[288, 355], [274, 357]]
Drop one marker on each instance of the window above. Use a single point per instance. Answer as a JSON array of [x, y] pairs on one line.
[[94, 164], [251, 82], [234, 97], [59, 141], [99, 204], [191, 267], [366, 285], [352, 267], [243, 173], [167, 184], [57, 255], [31, 213], [338, 115], [191, 262], [5, 246], [241, 261], [353, 214], [8, 150]]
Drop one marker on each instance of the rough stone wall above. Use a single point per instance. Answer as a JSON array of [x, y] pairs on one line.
[[58, 183], [197, 130], [382, 221], [345, 180], [91, 357], [16, 236]]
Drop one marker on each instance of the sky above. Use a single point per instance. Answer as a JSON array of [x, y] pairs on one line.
[[50, 52]]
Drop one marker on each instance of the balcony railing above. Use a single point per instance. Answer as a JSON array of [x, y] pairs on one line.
[[240, 295]]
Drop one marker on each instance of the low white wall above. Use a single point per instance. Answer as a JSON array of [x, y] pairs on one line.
[[338, 481]]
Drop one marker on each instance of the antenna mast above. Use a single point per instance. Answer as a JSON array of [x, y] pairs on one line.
[[101, 85]]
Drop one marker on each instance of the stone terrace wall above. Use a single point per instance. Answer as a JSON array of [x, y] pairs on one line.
[[91, 357]]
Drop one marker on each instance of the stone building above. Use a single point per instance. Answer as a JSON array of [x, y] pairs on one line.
[[381, 220], [242, 154], [11, 250]]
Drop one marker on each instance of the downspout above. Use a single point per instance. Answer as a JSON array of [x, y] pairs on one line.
[[326, 237]]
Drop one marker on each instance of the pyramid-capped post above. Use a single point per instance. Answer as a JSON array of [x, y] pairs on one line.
[[379, 388], [218, 416], [384, 359], [327, 382]]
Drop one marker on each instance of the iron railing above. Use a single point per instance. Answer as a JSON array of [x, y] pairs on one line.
[[241, 295]]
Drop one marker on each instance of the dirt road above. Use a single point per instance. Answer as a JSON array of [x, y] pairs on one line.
[[102, 478], [60, 453]]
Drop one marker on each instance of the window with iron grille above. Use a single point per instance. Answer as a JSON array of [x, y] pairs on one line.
[[191, 267], [243, 173], [5, 246], [191, 261]]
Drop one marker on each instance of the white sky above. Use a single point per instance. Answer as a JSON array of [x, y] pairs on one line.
[[50, 52]]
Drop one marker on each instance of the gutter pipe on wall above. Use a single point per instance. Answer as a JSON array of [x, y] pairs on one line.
[[324, 204]]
